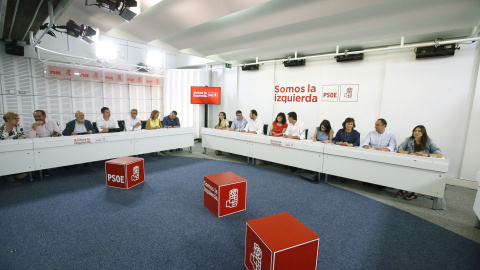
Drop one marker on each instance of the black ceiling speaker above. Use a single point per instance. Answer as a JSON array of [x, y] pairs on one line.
[[13, 48], [349, 57], [294, 63], [434, 51], [250, 67]]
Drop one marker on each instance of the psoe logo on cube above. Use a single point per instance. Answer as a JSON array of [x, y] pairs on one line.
[[256, 257], [136, 173], [232, 198]]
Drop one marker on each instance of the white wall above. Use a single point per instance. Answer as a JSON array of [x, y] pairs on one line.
[[471, 164], [176, 96], [406, 92]]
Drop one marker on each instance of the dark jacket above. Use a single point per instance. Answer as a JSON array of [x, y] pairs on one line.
[[70, 127]]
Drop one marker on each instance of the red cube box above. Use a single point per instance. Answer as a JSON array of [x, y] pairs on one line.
[[225, 193], [124, 172], [280, 242]]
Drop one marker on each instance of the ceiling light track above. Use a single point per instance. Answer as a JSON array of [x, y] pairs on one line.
[[66, 59], [346, 52]]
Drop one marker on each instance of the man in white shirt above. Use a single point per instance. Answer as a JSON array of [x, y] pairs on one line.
[[106, 122], [132, 122], [43, 127], [295, 129], [256, 125], [380, 139]]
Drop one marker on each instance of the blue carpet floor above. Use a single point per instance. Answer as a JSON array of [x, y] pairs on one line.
[[72, 221]]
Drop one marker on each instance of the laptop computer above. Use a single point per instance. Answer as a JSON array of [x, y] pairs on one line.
[[110, 130]]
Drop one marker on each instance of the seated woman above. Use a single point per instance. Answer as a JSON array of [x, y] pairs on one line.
[[323, 133], [347, 136], [222, 124], [419, 144], [279, 125], [222, 121], [11, 130], [154, 122]]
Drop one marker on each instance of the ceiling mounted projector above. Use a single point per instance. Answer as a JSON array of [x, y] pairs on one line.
[[435, 51], [294, 63], [250, 67], [349, 57]]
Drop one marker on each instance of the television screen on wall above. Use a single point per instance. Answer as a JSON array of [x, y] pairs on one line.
[[205, 95]]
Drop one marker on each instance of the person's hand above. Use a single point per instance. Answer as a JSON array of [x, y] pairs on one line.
[[74, 133], [89, 132], [326, 141], [367, 146], [314, 139], [243, 131], [20, 138], [104, 130]]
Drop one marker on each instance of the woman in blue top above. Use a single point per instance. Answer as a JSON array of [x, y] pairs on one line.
[[419, 144], [323, 133], [347, 136]]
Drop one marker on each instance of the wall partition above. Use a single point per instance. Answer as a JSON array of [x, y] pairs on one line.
[[25, 88]]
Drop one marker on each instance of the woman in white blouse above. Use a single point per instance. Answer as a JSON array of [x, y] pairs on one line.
[[222, 124]]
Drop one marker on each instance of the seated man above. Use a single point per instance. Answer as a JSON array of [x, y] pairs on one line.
[[256, 125], [239, 123], [296, 129], [171, 121], [380, 139], [132, 122], [43, 127], [106, 122], [78, 126]]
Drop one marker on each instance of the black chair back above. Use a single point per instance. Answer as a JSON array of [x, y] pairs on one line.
[[306, 133], [229, 123], [121, 125], [95, 127], [144, 124], [265, 129]]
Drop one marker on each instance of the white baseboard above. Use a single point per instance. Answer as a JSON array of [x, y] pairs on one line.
[[462, 183]]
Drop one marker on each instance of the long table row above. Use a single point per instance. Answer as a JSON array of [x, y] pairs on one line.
[[43, 153], [406, 172]]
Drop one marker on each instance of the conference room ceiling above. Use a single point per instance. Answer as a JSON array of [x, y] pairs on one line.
[[238, 31]]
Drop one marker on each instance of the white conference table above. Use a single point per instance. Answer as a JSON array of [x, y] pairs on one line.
[[50, 152], [300, 154], [406, 172], [16, 156], [419, 174]]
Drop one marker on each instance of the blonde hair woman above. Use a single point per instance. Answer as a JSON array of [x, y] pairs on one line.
[[11, 129], [154, 122]]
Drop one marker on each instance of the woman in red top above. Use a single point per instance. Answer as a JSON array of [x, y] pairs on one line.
[[279, 125]]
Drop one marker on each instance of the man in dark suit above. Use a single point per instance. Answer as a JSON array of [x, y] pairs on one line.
[[78, 126]]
